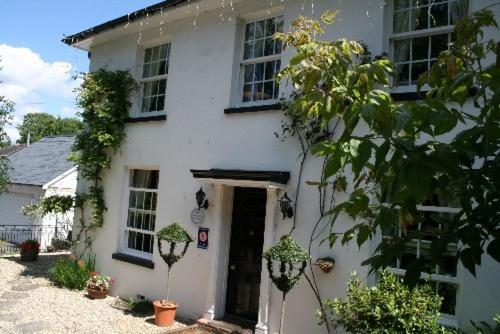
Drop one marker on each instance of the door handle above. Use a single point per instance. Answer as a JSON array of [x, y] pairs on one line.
[[232, 267]]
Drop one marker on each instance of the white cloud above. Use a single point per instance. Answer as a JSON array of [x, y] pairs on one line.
[[34, 84]]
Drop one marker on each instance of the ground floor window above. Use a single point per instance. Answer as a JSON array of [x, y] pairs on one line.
[[141, 215], [443, 278]]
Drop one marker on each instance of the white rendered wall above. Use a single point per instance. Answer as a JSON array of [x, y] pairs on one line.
[[198, 135]]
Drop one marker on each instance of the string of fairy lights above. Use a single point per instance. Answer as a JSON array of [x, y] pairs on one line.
[[227, 14]]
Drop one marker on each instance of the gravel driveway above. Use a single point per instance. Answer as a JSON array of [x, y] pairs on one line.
[[30, 303]]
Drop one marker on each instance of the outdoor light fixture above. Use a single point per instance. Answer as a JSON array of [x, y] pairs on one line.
[[200, 199], [286, 206]]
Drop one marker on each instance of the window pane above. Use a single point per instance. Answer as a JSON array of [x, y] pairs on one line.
[[279, 24], [449, 294], [131, 240], [163, 67], [247, 93], [268, 90], [248, 50], [420, 48], [439, 43], [269, 75], [420, 18], [147, 89], [154, 199], [131, 219], [160, 103], [153, 222], [402, 74], [164, 51], [401, 20], [144, 178], [259, 48], [259, 72], [270, 26], [156, 53], [249, 33], [439, 15], [132, 199], [402, 50], [257, 91], [249, 73], [278, 47], [269, 46], [417, 69], [400, 4], [259, 29], [147, 247], [145, 71]]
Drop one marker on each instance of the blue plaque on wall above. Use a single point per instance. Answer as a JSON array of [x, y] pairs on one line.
[[203, 238]]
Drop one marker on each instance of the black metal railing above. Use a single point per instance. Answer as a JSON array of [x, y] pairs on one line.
[[49, 236]]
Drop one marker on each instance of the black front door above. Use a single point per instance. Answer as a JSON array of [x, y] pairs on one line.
[[245, 254]]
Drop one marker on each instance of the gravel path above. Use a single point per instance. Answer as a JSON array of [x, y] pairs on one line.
[[30, 303]]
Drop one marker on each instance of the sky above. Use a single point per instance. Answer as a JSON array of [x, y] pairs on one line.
[[37, 68]]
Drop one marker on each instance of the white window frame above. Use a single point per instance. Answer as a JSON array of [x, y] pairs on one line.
[[252, 61], [411, 87], [143, 81], [449, 320], [126, 228]]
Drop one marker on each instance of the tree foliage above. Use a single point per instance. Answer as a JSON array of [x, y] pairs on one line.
[[39, 125], [433, 152], [6, 111], [390, 307]]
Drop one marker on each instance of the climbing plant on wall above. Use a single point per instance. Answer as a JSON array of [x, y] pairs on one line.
[[104, 101]]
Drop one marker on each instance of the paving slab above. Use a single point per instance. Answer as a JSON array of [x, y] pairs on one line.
[[9, 317], [25, 287], [6, 306], [14, 295], [32, 327]]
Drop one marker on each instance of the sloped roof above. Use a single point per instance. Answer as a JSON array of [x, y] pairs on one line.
[[70, 40], [6, 151], [41, 161]]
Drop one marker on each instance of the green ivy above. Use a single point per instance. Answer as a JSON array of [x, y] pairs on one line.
[[104, 101]]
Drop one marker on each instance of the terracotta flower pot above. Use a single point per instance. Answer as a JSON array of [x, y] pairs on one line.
[[29, 255], [97, 294], [165, 313]]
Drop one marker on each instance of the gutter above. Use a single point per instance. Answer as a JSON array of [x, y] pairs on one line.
[[78, 37]]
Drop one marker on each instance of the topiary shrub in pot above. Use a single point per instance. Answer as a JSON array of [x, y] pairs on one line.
[[173, 235], [29, 250], [291, 260]]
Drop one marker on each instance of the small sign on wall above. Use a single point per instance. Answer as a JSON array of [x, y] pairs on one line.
[[203, 237]]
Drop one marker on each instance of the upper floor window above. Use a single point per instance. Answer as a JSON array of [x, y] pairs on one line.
[[141, 217], [261, 60], [154, 78], [421, 29]]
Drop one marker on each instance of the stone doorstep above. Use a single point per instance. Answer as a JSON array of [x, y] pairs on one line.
[[223, 327]]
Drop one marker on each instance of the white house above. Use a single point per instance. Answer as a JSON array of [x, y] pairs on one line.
[[39, 170], [206, 115]]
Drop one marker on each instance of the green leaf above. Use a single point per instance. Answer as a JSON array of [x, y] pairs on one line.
[[493, 249], [360, 154]]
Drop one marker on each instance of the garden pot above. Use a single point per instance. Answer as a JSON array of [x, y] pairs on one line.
[[29, 255], [165, 314], [97, 294]]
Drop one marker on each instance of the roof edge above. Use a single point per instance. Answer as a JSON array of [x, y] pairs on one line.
[[83, 35]]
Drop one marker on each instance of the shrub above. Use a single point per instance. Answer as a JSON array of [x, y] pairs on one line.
[[389, 308], [72, 273]]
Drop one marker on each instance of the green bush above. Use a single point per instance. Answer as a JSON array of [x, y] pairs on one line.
[[388, 308], [72, 274]]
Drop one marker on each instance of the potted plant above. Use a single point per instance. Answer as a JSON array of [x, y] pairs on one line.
[[98, 285], [29, 250], [172, 235]]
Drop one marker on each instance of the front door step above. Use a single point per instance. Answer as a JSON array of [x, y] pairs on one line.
[[224, 327]]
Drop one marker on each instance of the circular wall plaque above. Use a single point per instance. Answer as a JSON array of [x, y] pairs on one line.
[[197, 216]]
